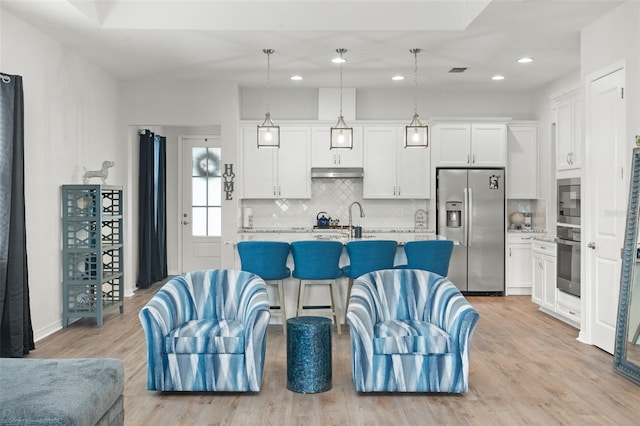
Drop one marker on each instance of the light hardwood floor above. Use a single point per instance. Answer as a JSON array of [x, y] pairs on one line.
[[526, 368]]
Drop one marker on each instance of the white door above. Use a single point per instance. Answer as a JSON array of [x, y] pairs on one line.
[[380, 163], [294, 163], [452, 144], [201, 210], [414, 170], [607, 185], [488, 145]]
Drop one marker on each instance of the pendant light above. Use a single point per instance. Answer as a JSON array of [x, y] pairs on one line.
[[268, 133], [416, 134], [341, 134]]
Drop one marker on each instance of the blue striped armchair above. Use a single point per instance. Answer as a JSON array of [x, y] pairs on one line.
[[410, 332], [206, 331]]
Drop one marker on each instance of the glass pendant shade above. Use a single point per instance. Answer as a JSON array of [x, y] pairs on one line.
[[416, 134], [268, 134], [341, 135]]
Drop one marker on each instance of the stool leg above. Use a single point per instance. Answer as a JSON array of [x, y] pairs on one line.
[[283, 311], [334, 297], [300, 298], [346, 305]]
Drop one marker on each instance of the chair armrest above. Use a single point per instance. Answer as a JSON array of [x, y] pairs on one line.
[[362, 316], [170, 307], [253, 312], [448, 309]]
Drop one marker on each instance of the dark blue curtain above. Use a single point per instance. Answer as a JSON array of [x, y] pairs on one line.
[[152, 217], [16, 332]]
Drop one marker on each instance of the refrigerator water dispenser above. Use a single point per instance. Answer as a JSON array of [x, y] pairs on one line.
[[454, 214]]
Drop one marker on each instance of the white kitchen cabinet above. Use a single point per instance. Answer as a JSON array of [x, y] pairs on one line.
[[568, 121], [544, 275], [322, 156], [390, 169], [458, 144], [273, 172], [519, 273], [552, 301], [522, 160], [568, 308]]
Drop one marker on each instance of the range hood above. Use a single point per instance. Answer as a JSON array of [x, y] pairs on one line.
[[337, 172]]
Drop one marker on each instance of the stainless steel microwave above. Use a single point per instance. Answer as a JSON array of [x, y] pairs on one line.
[[569, 201]]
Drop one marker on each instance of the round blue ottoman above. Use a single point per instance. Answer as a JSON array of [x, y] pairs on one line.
[[308, 354]]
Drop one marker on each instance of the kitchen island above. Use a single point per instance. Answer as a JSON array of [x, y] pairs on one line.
[[319, 295]]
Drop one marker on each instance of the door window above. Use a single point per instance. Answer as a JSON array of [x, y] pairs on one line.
[[206, 184]]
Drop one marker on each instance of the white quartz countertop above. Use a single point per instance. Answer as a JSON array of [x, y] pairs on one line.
[[539, 235], [342, 235]]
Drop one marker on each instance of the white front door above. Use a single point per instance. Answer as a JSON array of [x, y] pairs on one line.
[[201, 210], [607, 184]]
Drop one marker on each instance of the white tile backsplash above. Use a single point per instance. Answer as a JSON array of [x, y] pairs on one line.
[[537, 208], [334, 197]]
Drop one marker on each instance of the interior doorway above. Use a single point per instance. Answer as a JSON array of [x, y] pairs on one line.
[[201, 202], [607, 185]]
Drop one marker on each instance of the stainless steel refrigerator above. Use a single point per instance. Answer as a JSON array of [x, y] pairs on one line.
[[471, 211]]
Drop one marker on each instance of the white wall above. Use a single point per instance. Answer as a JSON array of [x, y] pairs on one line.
[[180, 108], [390, 104], [71, 122], [613, 39]]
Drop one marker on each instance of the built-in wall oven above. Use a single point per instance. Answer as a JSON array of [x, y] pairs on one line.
[[568, 236], [569, 201], [568, 260]]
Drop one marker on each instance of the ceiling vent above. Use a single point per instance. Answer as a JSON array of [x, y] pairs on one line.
[[457, 69]]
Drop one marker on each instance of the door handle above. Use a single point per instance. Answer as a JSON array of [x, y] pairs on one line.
[[185, 222], [592, 245]]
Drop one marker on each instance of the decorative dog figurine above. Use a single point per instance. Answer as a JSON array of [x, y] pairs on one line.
[[102, 173]]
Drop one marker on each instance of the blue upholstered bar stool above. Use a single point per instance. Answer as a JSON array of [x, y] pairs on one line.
[[317, 262], [268, 260], [367, 256], [429, 255]]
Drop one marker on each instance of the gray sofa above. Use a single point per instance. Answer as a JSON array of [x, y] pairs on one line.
[[84, 391]]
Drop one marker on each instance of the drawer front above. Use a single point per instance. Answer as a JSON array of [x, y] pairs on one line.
[[569, 313], [519, 238], [544, 247]]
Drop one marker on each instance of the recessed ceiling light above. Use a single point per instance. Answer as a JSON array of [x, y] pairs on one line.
[[525, 60], [397, 78], [497, 77], [296, 77]]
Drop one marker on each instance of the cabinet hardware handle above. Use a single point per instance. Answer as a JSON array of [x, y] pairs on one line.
[[509, 251], [592, 245], [398, 191], [568, 158], [474, 159], [468, 161], [572, 313], [274, 190]]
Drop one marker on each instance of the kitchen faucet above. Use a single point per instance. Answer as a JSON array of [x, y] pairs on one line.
[[350, 220]]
